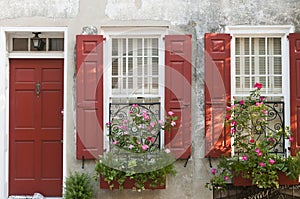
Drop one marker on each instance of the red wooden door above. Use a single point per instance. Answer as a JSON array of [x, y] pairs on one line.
[[35, 127]]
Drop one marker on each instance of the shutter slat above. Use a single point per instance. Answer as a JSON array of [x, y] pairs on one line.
[[294, 39], [89, 96], [217, 94], [178, 93]]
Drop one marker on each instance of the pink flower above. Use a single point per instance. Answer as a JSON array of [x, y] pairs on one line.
[[130, 146], [245, 158], [161, 122], [228, 108], [233, 130], [228, 117], [146, 117], [261, 164], [226, 178], [233, 123], [135, 105], [152, 124], [271, 161], [291, 139], [242, 102], [271, 139], [130, 112], [258, 103], [115, 142], [257, 150], [167, 150], [173, 123], [151, 139], [262, 98], [251, 141], [259, 153], [257, 85], [232, 106], [145, 147], [265, 112], [170, 113], [213, 171]]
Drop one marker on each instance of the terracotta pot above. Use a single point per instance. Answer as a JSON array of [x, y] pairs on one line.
[[283, 179], [128, 184]]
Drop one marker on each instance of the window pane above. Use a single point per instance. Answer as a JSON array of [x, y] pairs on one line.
[[274, 46], [155, 66], [262, 66], [246, 46], [155, 82], [237, 46], [130, 66], [130, 47], [247, 66], [139, 47], [114, 47], [56, 44], [114, 82], [237, 66], [154, 47], [115, 67], [20, 44]]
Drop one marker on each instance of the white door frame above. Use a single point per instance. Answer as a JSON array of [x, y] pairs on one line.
[[4, 97]]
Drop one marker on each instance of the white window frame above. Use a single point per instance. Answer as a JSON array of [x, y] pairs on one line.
[[130, 32], [271, 31]]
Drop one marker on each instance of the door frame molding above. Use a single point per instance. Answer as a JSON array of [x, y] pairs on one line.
[[4, 97]]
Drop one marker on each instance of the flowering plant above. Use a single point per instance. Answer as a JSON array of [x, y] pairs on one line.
[[253, 143], [135, 151]]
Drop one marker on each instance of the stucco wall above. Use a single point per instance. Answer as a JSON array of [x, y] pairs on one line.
[[184, 16]]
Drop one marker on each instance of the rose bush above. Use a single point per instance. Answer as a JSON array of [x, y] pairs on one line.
[[135, 151], [252, 143]]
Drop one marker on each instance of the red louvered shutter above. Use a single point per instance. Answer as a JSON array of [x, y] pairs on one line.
[[178, 52], [89, 96], [217, 94], [294, 39]]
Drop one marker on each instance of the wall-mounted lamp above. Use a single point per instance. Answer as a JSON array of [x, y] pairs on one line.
[[37, 41]]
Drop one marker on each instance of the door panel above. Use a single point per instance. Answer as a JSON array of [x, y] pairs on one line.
[[35, 147]]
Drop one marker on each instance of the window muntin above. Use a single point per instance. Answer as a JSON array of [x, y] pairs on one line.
[[258, 59], [135, 66]]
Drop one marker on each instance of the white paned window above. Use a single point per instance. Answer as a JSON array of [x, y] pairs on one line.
[[135, 66], [261, 54], [258, 59]]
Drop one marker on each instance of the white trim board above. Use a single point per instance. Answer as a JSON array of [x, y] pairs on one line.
[[4, 96]]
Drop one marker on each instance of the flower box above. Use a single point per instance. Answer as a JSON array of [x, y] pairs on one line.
[[128, 184], [239, 180], [283, 179]]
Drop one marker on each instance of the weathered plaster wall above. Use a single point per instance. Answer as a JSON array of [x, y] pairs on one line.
[[184, 16], [33, 8]]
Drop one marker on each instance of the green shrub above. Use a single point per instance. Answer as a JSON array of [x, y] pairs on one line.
[[78, 186]]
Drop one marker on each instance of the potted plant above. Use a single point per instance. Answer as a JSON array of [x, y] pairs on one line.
[[78, 186], [135, 160], [252, 163]]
